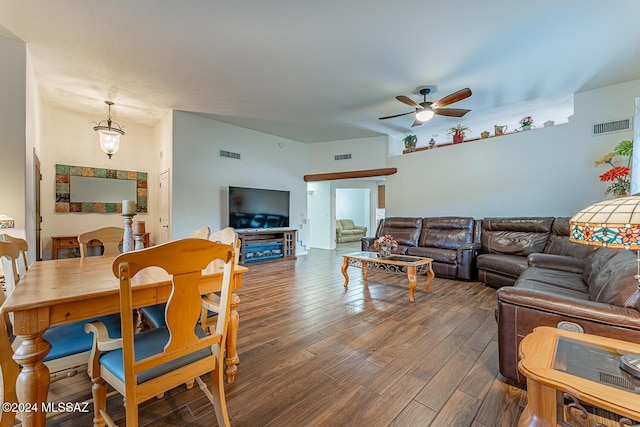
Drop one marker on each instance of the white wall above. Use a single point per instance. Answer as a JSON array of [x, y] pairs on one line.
[[13, 72], [165, 138], [546, 171], [68, 138], [321, 206], [354, 204], [201, 178], [32, 148], [366, 153]]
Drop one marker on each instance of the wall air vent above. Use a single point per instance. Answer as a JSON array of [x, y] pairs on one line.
[[229, 154], [611, 127], [342, 157]]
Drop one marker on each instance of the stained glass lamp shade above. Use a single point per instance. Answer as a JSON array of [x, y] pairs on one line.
[[6, 221], [614, 224]]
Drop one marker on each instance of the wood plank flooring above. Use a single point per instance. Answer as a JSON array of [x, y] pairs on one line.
[[315, 354]]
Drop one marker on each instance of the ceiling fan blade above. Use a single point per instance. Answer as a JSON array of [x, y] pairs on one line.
[[410, 102], [451, 112], [417, 122], [395, 115], [451, 98]]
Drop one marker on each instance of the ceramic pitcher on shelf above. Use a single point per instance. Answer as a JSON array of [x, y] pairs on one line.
[[500, 130]]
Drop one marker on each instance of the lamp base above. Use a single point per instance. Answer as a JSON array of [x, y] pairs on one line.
[[630, 363]]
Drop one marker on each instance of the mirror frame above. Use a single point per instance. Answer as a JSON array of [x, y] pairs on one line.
[[63, 189]]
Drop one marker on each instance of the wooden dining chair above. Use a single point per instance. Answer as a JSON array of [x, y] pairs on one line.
[[70, 346], [110, 237], [153, 315], [210, 302], [9, 255], [23, 264], [149, 363], [9, 371], [201, 233]]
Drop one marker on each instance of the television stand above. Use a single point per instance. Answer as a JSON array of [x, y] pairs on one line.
[[267, 245]]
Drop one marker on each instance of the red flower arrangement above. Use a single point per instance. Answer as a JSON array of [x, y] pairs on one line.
[[615, 173], [619, 176]]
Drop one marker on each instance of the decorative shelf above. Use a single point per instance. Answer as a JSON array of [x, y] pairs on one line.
[[447, 144]]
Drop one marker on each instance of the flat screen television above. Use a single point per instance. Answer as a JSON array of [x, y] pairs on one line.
[[255, 208]]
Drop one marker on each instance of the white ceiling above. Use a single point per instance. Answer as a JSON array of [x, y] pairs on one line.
[[325, 70]]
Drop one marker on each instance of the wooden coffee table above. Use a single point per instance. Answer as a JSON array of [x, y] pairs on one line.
[[413, 265]]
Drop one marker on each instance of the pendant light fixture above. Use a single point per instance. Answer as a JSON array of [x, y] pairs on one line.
[[109, 134]]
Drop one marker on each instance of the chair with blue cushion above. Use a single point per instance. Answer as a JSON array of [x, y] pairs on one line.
[[228, 236], [153, 315], [70, 346], [141, 366]]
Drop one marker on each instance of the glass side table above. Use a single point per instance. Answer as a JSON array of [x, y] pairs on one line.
[[574, 379]]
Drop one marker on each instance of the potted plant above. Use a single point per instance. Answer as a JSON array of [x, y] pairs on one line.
[[526, 122], [618, 175], [410, 142], [458, 132]]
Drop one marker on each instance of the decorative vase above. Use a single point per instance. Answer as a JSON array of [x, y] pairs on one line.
[[499, 130], [384, 252], [526, 127], [458, 138]]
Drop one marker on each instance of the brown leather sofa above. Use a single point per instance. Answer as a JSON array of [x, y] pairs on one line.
[[544, 279], [449, 241], [597, 295]]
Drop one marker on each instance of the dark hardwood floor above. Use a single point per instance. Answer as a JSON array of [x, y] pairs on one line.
[[315, 354]]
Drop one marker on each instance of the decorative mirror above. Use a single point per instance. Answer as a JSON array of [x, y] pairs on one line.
[[86, 189]]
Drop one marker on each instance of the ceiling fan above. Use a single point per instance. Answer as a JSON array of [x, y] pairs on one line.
[[426, 110]]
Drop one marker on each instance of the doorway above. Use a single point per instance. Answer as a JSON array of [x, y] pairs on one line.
[[164, 203], [327, 201], [354, 204]]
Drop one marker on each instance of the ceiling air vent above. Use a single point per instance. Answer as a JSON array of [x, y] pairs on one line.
[[342, 157], [229, 154], [611, 127]]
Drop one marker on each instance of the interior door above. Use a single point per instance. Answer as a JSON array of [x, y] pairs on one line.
[[36, 180], [165, 203]]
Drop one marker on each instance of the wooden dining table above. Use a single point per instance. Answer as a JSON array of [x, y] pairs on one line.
[[61, 291]]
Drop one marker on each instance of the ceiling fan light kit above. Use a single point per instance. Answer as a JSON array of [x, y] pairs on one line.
[[426, 110], [424, 115]]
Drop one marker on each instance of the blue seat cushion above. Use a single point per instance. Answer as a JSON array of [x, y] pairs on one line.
[[154, 314], [147, 344], [70, 339]]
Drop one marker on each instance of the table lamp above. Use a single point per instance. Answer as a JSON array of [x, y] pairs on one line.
[[6, 221], [613, 223]]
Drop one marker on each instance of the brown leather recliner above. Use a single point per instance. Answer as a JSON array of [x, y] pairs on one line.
[[506, 244], [404, 230], [449, 241], [598, 295]]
